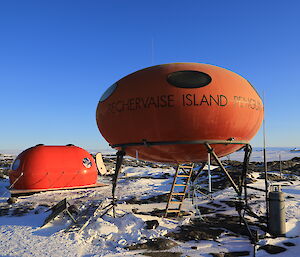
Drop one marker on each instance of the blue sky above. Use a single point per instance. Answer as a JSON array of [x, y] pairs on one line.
[[58, 57]]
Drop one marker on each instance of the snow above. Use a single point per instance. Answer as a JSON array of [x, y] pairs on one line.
[[21, 236], [115, 233], [107, 236], [293, 228]]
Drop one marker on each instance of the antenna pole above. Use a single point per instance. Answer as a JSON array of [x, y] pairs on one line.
[[265, 162]]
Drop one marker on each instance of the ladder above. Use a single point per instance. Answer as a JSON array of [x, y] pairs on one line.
[[179, 187]]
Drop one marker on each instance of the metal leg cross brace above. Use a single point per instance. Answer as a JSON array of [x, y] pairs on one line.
[[211, 151]]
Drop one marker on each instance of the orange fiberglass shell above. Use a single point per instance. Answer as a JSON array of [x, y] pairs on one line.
[[42, 168], [175, 106]]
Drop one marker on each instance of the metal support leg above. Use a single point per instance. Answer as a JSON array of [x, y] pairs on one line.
[[209, 173], [120, 156], [210, 150], [248, 151]]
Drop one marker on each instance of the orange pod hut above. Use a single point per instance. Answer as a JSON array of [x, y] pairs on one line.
[[167, 112], [42, 168]]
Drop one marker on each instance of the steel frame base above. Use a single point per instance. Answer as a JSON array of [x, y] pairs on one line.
[[240, 188]]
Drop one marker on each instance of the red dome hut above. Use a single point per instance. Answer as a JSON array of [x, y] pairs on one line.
[[167, 112], [42, 168]]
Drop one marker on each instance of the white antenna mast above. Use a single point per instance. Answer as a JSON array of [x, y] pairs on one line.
[[265, 161]]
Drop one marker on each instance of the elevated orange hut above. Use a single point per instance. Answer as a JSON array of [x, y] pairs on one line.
[[42, 168], [167, 112]]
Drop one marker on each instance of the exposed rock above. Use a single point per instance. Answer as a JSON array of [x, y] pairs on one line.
[[73, 209], [229, 203], [154, 244], [12, 200], [135, 210], [217, 254], [4, 210], [289, 244], [151, 224], [273, 177], [187, 233], [110, 163], [2, 174], [214, 204], [296, 159], [163, 254], [21, 211], [205, 210], [272, 249], [295, 169], [154, 199], [231, 254], [196, 232], [211, 228], [289, 197], [160, 213]]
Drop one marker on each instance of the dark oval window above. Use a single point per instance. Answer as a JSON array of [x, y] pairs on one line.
[[16, 164], [87, 163], [108, 92], [189, 79]]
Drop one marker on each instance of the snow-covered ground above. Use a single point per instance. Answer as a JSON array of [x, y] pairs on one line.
[[21, 233]]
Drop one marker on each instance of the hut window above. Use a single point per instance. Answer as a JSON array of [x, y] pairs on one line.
[[108, 92], [189, 79], [87, 163], [16, 164]]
